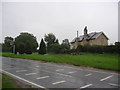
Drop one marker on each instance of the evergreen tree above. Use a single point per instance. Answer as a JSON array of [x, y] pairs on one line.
[[42, 47]]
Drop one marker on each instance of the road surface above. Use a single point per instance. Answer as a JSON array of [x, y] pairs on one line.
[[49, 75]]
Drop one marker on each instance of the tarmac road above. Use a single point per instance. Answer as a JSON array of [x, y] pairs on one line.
[[50, 75]]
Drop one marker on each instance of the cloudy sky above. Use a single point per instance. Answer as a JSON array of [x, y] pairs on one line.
[[61, 18]]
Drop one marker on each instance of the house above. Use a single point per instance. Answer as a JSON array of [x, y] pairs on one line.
[[94, 38], [65, 42]]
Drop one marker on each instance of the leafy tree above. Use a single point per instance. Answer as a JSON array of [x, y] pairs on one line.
[[50, 39], [42, 48], [8, 41], [28, 48], [22, 47], [27, 41], [55, 48], [8, 44]]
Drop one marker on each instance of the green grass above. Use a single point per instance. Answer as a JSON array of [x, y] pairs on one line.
[[103, 61], [8, 82]]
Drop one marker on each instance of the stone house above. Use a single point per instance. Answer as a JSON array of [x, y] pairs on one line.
[[94, 38]]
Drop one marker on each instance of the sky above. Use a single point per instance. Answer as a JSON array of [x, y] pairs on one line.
[[60, 18]]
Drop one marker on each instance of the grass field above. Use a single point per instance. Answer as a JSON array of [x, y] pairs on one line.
[[103, 61], [8, 82]]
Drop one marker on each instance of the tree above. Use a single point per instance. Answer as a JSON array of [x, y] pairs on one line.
[[55, 48], [26, 41], [50, 39], [8, 41], [42, 48], [22, 48], [8, 44]]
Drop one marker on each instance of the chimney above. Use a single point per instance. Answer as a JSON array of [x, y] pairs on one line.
[[77, 34], [85, 31]]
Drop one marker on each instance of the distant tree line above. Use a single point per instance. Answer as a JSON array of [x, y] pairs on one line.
[[26, 43]]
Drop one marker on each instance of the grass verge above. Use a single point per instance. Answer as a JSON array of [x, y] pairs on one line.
[[8, 82], [103, 61]]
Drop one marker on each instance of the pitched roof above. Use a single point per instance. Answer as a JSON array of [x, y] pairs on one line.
[[90, 36]]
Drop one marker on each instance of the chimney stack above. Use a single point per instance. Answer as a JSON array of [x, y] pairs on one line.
[[77, 34], [85, 31]]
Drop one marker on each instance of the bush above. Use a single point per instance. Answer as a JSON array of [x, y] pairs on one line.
[[99, 49]]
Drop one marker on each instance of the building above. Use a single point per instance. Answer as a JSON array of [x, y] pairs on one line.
[[65, 42], [94, 38]]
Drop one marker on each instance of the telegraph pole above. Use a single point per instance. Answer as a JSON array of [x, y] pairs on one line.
[[14, 46]]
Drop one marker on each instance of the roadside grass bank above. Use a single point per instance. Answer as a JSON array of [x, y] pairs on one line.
[[8, 82], [102, 61]]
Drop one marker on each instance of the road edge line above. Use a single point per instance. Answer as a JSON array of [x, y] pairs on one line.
[[23, 79]]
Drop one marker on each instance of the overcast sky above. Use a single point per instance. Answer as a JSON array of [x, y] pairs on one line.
[[61, 18]]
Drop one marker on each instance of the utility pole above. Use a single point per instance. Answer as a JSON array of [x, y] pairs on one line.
[[14, 46]]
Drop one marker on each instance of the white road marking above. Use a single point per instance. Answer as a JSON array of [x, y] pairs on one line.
[[72, 72], [59, 69], [63, 74], [37, 66], [43, 77], [88, 74], [113, 84], [86, 86], [21, 70], [30, 73], [106, 78], [52, 72], [58, 82], [24, 79]]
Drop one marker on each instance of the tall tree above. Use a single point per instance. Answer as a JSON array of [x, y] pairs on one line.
[[50, 39], [42, 48], [28, 41]]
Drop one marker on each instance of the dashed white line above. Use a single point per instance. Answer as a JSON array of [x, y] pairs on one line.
[[86, 86], [88, 74], [58, 82], [106, 78], [21, 70], [59, 69], [53, 72], [24, 80], [30, 73], [37, 66], [113, 84], [63, 74], [42, 77], [72, 72]]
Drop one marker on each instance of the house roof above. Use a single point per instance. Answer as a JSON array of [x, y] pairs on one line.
[[88, 37]]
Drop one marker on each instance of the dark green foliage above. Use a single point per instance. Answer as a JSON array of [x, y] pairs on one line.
[[42, 48], [5, 48], [55, 48], [99, 49], [8, 44], [28, 48], [8, 40], [21, 47], [50, 39], [27, 42]]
